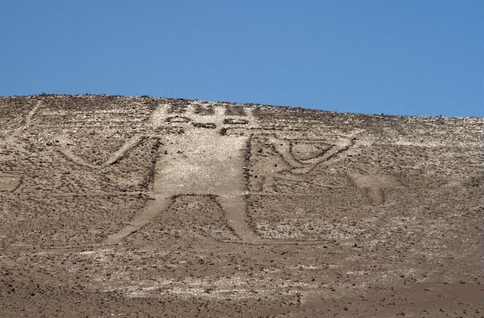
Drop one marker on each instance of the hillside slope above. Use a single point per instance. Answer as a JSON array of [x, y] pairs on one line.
[[123, 206]]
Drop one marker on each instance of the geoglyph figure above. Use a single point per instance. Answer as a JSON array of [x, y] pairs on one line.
[[206, 151], [199, 159], [202, 158]]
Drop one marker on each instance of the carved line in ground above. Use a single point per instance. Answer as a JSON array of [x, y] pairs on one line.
[[373, 191], [150, 196], [224, 131], [90, 120], [301, 168], [267, 132], [246, 171], [278, 242], [329, 156], [92, 246], [107, 124], [51, 248], [281, 147], [27, 120], [9, 182], [109, 112], [291, 151], [115, 157], [103, 124], [315, 142]]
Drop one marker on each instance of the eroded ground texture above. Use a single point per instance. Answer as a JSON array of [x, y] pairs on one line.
[[141, 207]]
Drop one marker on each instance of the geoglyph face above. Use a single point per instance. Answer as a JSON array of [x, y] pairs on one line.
[[212, 118]]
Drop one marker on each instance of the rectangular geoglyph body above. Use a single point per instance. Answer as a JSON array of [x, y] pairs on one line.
[[201, 159]]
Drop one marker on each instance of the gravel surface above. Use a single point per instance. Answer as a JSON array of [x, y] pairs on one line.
[[117, 206]]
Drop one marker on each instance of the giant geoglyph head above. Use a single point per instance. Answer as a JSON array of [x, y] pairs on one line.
[[191, 116]]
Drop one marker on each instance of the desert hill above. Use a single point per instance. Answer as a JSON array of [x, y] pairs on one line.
[[151, 207]]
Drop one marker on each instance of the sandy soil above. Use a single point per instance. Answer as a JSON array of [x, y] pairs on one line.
[[140, 207]]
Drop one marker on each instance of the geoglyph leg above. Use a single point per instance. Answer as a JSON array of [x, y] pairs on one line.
[[140, 219], [237, 218]]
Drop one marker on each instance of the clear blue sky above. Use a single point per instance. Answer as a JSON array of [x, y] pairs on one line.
[[407, 57]]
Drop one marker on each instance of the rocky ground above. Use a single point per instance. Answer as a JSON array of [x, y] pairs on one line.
[[149, 207]]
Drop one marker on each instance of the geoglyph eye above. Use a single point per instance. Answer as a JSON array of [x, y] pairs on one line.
[[178, 119]]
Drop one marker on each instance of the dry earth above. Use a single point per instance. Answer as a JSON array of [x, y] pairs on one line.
[[142, 207]]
